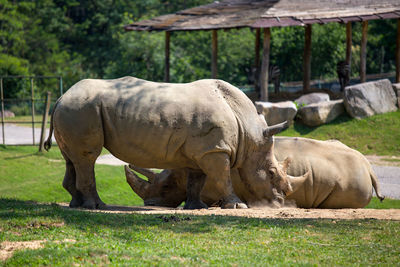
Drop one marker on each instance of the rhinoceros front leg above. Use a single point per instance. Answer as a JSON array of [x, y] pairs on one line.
[[195, 183], [217, 168]]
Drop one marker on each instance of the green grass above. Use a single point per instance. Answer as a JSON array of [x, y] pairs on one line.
[[76, 237], [79, 237], [391, 160], [26, 174], [379, 134], [27, 120]]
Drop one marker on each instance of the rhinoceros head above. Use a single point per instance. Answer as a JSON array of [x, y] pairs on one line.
[[161, 189], [263, 175]]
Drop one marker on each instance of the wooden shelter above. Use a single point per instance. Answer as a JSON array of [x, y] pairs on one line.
[[265, 14]]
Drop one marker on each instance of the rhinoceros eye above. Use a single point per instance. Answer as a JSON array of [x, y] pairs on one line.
[[272, 172]]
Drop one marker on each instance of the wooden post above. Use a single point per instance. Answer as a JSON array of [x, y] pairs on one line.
[[33, 113], [2, 110], [167, 42], [257, 60], [214, 58], [265, 65], [349, 41], [398, 53], [44, 121], [307, 58], [363, 52]]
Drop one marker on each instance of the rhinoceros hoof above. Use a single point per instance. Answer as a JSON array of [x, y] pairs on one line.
[[194, 205], [91, 204], [234, 205], [75, 203]]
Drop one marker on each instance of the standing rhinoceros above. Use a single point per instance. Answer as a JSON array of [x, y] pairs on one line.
[[339, 177], [207, 126]]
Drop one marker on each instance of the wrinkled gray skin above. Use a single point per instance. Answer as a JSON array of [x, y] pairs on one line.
[[340, 177], [207, 127]]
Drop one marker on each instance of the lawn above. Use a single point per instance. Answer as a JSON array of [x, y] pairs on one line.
[[379, 134], [31, 181], [73, 237]]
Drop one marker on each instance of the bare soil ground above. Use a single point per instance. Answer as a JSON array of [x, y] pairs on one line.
[[7, 248], [383, 160], [275, 213]]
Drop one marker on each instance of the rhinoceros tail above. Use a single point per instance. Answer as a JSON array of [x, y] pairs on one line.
[[375, 184], [47, 143]]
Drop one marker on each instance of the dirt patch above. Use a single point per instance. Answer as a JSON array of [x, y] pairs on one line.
[[8, 248], [282, 213], [384, 160]]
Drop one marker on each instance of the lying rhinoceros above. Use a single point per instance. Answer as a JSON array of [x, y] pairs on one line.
[[207, 126], [340, 177]]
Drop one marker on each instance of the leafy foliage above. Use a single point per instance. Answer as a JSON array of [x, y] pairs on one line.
[[85, 39]]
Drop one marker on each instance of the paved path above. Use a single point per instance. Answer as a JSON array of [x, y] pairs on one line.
[[389, 177], [20, 135], [389, 180]]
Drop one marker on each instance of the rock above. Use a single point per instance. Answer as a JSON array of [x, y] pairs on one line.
[[8, 114], [370, 98], [312, 98], [396, 88], [277, 112], [320, 113]]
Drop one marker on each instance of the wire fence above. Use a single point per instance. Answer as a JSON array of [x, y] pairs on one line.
[[30, 109]]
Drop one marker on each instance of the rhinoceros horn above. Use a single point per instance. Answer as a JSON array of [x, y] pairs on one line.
[[296, 182], [138, 185], [274, 129], [146, 172]]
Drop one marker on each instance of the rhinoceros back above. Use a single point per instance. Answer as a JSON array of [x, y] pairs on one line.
[[159, 124]]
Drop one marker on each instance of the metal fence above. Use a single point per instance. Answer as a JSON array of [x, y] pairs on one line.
[[13, 130]]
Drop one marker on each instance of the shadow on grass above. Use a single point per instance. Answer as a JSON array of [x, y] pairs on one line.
[[304, 129], [28, 212]]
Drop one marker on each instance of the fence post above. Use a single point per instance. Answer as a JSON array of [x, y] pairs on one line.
[[44, 121], [33, 113], [2, 110]]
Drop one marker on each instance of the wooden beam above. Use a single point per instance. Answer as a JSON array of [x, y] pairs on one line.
[[265, 65], [257, 60], [349, 41], [44, 121], [167, 51], [363, 52], [214, 58], [307, 58], [398, 52]]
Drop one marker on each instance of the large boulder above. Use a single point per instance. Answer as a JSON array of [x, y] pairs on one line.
[[396, 88], [320, 113], [275, 113], [370, 98], [8, 114], [312, 98]]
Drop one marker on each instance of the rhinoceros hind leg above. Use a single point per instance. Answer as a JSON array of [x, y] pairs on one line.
[[69, 183], [195, 183], [86, 185]]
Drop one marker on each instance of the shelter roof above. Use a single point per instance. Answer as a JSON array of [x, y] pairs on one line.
[[227, 14]]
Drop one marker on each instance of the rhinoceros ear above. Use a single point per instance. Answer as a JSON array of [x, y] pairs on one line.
[[274, 129], [138, 185]]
